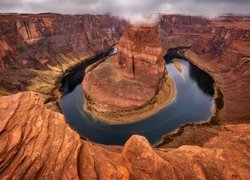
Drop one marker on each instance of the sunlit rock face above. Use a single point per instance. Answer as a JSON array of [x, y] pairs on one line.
[[132, 77], [41, 145]]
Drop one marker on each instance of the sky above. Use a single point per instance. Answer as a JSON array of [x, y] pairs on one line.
[[132, 10]]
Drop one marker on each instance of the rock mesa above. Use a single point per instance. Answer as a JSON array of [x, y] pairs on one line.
[[132, 77]]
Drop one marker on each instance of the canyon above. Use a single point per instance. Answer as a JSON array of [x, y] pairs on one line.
[[38, 50], [126, 84], [36, 142]]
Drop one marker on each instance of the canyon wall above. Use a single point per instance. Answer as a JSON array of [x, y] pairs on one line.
[[180, 31], [37, 49], [220, 47], [223, 50]]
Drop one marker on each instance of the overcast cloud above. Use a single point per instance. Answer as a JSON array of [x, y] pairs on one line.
[[130, 9]]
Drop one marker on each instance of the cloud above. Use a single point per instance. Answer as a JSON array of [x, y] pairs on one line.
[[133, 10]]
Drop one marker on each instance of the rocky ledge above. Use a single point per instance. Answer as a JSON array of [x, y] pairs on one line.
[[40, 145], [124, 88]]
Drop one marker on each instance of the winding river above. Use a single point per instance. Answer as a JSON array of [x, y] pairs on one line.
[[193, 103]]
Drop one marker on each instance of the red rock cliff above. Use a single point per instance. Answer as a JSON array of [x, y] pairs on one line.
[[221, 48], [140, 54], [34, 45], [180, 31]]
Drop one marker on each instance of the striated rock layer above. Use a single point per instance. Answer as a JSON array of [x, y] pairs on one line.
[[180, 31], [36, 50], [140, 54], [40, 145], [220, 47], [130, 79], [224, 52], [37, 143]]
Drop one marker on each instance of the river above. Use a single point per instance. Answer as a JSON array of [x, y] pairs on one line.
[[193, 103]]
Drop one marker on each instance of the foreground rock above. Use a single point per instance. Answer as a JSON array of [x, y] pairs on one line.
[[129, 80], [37, 50], [40, 145]]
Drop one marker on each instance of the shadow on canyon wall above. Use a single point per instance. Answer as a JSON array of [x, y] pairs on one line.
[[75, 76], [203, 79]]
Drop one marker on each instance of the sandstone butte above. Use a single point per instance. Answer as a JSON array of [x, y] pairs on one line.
[[36, 142], [125, 85]]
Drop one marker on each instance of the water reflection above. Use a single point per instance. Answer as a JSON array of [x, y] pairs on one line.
[[75, 77], [193, 103]]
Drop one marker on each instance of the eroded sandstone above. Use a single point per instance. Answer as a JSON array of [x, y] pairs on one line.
[[37, 143], [130, 79], [37, 50], [40, 145], [223, 50]]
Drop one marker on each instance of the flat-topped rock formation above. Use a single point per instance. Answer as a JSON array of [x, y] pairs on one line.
[[41, 145], [130, 79]]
